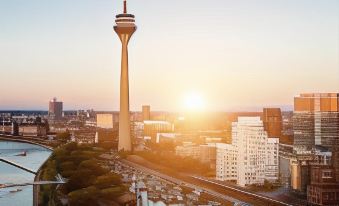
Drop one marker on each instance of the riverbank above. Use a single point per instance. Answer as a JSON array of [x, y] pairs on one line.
[[89, 181], [22, 139], [35, 156]]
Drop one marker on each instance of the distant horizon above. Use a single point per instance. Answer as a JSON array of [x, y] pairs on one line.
[[284, 108]]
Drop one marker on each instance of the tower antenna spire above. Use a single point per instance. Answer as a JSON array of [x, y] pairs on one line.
[[125, 6]]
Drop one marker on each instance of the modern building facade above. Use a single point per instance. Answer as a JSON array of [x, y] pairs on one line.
[[315, 121], [55, 109], [226, 162], [272, 120], [252, 154], [125, 28]]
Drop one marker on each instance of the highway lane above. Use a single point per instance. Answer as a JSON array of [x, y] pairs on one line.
[[226, 193], [184, 183]]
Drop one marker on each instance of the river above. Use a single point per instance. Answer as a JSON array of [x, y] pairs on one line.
[[35, 157]]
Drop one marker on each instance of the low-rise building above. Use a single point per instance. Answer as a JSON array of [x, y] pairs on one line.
[[323, 188], [151, 128], [188, 149]]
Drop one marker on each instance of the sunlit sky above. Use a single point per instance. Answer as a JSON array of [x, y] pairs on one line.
[[230, 54]]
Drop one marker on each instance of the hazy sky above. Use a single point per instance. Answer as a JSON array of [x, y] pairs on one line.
[[236, 54]]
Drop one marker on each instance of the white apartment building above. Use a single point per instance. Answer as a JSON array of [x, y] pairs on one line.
[[251, 158], [272, 160], [226, 162]]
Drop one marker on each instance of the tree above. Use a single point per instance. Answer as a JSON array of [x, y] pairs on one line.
[[84, 197], [107, 180], [64, 137]]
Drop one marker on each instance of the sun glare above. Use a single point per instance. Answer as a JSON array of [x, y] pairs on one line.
[[194, 101]]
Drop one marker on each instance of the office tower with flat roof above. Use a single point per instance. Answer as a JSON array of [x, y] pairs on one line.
[[55, 109], [315, 121], [146, 112], [125, 27], [272, 120]]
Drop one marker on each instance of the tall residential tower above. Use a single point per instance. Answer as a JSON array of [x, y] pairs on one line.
[[125, 27], [55, 109]]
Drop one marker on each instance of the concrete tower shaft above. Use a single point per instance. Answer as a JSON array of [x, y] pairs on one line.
[[125, 28]]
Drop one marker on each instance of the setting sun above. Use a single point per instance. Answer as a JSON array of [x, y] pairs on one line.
[[194, 101]]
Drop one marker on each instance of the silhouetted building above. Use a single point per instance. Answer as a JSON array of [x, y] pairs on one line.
[[55, 109], [146, 112]]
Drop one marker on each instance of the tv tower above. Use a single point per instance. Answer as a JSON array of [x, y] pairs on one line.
[[125, 27]]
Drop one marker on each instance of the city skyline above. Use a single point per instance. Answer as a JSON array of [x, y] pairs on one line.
[[263, 53]]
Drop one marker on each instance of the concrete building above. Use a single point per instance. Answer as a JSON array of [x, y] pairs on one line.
[[316, 133], [166, 137], [272, 160], [146, 112], [315, 121], [55, 109], [188, 149], [272, 120], [323, 188], [105, 121], [250, 139], [208, 154], [106, 130], [33, 130], [15, 128], [226, 162], [252, 154], [151, 128], [125, 27], [301, 167]]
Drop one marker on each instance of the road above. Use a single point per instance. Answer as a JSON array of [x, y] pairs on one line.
[[221, 191], [181, 182]]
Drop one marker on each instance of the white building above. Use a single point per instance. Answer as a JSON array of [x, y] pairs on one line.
[[188, 149], [226, 162], [251, 158], [272, 160]]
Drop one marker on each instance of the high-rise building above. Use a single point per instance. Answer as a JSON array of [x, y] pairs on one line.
[[55, 109], [315, 121], [125, 27], [272, 119], [146, 112], [253, 155]]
